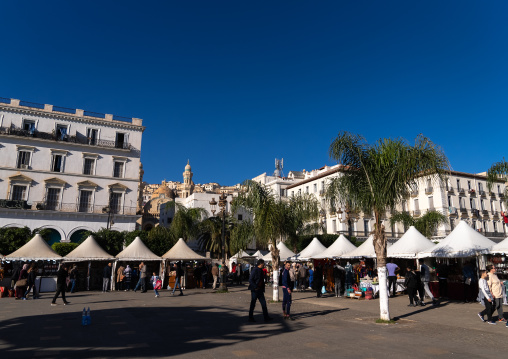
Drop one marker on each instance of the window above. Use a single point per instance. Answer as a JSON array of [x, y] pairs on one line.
[[495, 227], [85, 201], [282, 192], [88, 168], [118, 169], [404, 206], [300, 191], [417, 206], [18, 193], [29, 126], [482, 205], [322, 185], [472, 203], [452, 224], [92, 135], [292, 193], [458, 184], [307, 189], [492, 206], [61, 132], [240, 217], [366, 227], [450, 203], [485, 226], [468, 184], [431, 202], [115, 202], [56, 163], [120, 140], [23, 159], [480, 186], [461, 203], [315, 187], [52, 199], [334, 226], [473, 224], [499, 189]]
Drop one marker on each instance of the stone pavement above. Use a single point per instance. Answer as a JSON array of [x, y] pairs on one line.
[[202, 324]]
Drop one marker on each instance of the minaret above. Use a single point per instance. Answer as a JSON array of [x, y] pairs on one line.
[[188, 185]]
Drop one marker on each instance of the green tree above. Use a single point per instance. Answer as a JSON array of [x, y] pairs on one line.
[[111, 241], [63, 248], [13, 238], [496, 173], [159, 240], [426, 224], [377, 177], [186, 221], [275, 219]]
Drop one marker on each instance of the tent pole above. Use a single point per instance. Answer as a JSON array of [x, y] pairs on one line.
[[88, 276], [113, 277]]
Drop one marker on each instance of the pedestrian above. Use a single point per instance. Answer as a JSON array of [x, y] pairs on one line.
[[15, 276], [338, 272], [215, 275], [425, 279], [469, 282], [233, 272], [411, 284], [32, 276], [156, 284], [496, 288], [392, 269], [204, 274], [318, 280], [21, 283], [257, 288], [120, 277], [292, 274], [286, 292], [311, 277], [61, 285], [239, 273], [302, 276], [178, 276], [106, 277], [488, 299], [142, 278], [128, 278], [442, 276], [73, 277]]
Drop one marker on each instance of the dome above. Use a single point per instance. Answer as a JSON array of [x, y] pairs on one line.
[[163, 190], [188, 167]]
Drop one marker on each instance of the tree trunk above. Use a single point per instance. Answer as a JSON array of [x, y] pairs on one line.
[[380, 248], [275, 266]]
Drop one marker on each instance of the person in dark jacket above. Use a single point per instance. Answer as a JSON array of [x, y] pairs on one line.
[[61, 284], [32, 275], [106, 277], [21, 289], [318, 280], [178, 278], [257, 288], [73, 276], [286, 291], [411, 283]]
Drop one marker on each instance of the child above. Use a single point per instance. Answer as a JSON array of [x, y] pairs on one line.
[[157, 284], [488, 298]]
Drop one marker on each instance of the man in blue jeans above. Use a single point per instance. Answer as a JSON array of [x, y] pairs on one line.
[[142, 278], [179, 274], [257, 288], [286, 291], [392, 268]]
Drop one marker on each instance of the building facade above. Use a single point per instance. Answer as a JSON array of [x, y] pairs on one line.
[[68, 170]]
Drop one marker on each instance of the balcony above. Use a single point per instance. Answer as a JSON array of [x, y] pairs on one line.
[[495, 214], [492, 195], [472, 192], [450, 190], [13, 204], [414, 193], [429, 190], [452, 211], [321, 192], [77, 208], [463, 210], [53, 137], [501, 195], [485, 212], [482, 193], [475, 213], [461, 191], [417, 213], [494, 234]]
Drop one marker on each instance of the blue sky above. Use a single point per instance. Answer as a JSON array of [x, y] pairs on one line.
[[232, 85]]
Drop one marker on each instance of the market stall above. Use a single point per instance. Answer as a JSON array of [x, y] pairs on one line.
[[90, 260], [38, 250], [497, 256], [181, 252], [463, 245], [340, 247], [315, 247], [284, 253], [135, 253]]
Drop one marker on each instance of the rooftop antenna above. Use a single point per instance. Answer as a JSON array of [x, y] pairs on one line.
[[279, 165]]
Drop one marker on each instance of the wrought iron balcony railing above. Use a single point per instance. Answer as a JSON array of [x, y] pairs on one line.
[[81, 208]]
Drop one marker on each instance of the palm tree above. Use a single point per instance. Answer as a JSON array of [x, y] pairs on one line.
[[185, 223], [494, 173], [426, 224], [376, 178], [275, 219]]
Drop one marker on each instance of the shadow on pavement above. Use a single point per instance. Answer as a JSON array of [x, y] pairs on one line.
[[422, 310], [133, 332]]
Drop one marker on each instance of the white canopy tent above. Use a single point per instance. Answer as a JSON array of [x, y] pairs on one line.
[[315, 247], [366, 250], [341, 246], [89, 251], [258, 255], [241, 255], [409, 245], [37, 249], [500, 248], [284, 253], [462, 242], [181, 251]]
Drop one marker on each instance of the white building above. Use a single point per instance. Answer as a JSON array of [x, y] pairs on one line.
[[278, 185], [67, 170]]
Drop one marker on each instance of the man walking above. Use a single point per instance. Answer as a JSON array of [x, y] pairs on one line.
[[496, 288], [338, 272], [424, 288], [215, 274], [392, 269], [142, 278], [178, 276], [106, 277], [257, 288], [286, 292], [61, 284]]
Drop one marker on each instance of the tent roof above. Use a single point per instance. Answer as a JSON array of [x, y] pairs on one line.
[[241, 254], [137, 250], [501, 247], [89, 250], [341, 246], [366, 250], [464, 241], [315, 247], [181, 251], [36, 249], [284, 253], [258, 254], [409, 245]]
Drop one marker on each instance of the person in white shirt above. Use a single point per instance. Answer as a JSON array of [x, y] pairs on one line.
[[488, 299]]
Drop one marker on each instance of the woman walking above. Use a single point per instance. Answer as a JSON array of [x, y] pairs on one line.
[[488, 298], [21, 283], [128, 277], [32, 275]]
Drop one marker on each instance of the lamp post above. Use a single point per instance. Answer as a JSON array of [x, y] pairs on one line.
[[348, 218], [222, 205]]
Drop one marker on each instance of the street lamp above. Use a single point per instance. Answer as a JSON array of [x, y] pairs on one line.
[[348, 212], [222, 205]]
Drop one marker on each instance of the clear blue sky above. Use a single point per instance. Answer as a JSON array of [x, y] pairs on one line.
[[231, 85]]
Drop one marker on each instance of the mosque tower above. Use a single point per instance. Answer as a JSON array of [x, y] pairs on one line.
[[188, 184]]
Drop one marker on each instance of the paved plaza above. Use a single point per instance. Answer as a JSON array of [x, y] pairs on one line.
[[203, 324]]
